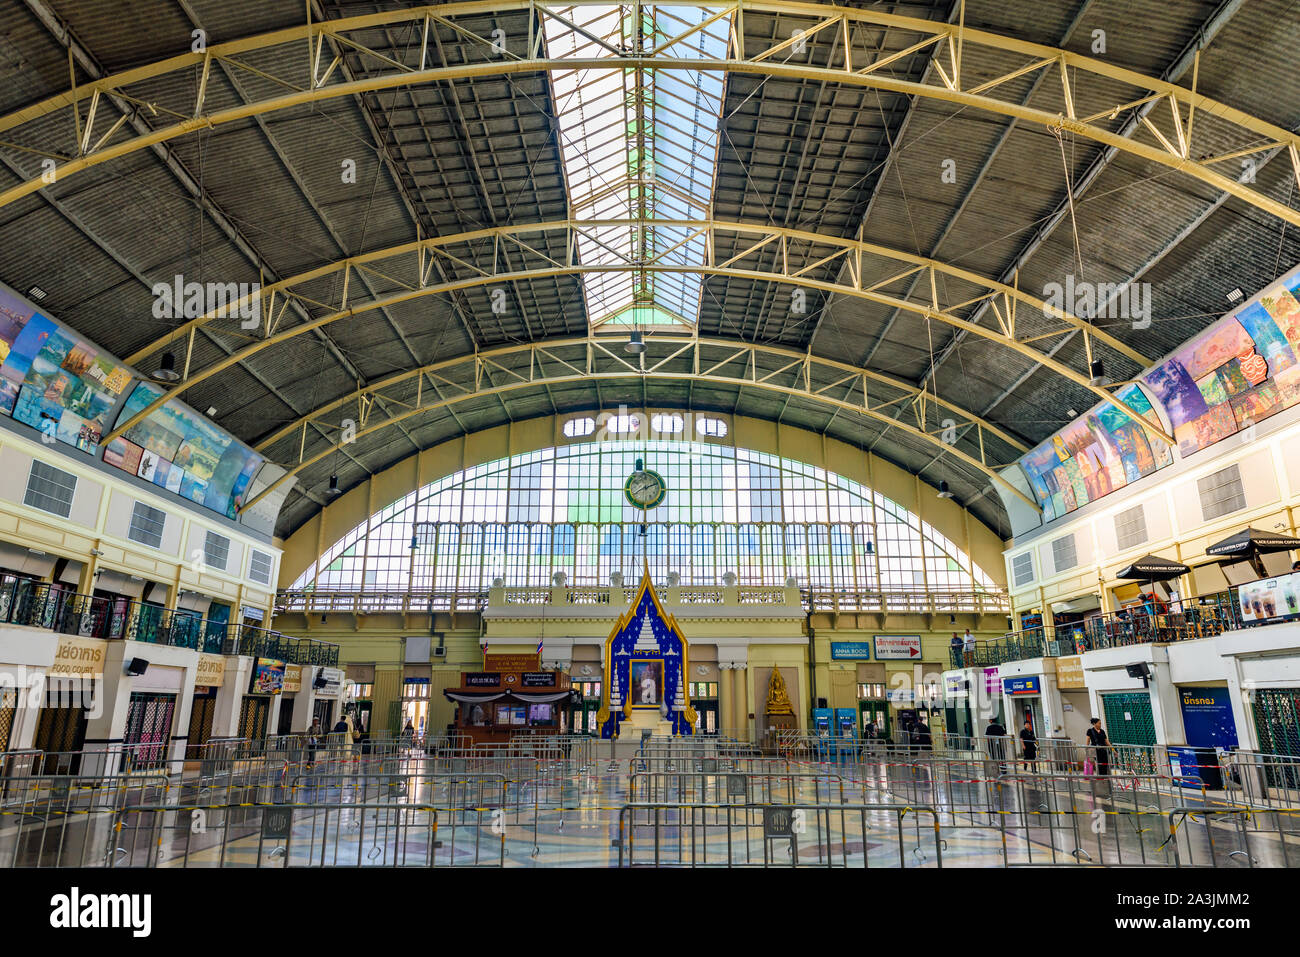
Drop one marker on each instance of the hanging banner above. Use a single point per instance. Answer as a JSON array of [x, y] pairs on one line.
[[292, 679]]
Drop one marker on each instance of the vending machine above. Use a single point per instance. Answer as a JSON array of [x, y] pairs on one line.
[[846, 734], [822, 723]]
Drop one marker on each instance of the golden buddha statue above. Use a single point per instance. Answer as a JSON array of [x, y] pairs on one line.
[[778, 699]]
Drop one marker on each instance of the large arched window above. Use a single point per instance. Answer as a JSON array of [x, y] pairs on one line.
[[760, 516]]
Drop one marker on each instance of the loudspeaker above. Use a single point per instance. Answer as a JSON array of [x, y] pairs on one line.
[[137, 666], [1139, 670], [319, 681], [821, 702]]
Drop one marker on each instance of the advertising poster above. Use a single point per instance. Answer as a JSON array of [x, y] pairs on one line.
[[1100, 453], [1238, 372], [1207, 717], [52, 380], [183, 453], [268, 676], [1271, 598]]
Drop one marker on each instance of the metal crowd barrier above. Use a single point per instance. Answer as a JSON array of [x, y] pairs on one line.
[[300, 835], [790, 835], [62, 821], [735, 788]]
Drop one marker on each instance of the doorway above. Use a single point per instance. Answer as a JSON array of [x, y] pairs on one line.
[[61, 732], [584, 711], [874, 711], [704, 699], [148, 730], [284, 724], [201, 713], [415, 705], [254, 711]]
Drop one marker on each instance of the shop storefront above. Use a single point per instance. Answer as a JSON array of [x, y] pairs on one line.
[[1025, 700], [495, 706], [1075, 709], [328, 688], [255, 710], [359, 700], [289, 694]]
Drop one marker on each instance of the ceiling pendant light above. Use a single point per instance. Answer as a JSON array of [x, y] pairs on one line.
[[334, 487], [944, 491], [166, 371], [1098, 373], [635, 344]]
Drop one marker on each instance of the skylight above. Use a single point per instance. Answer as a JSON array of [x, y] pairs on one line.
[[639, 145]]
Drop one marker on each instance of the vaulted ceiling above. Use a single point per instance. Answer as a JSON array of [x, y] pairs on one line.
[[849, 212]]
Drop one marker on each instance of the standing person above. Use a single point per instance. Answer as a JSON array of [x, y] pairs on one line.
[[921, 735], [313, 736], [957, 646], [996, 735], [1029, 742], [968, 645], [1097, 739]]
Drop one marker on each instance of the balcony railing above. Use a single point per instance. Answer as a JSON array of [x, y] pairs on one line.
[[1203, 617], [65, 612], [899, 602]]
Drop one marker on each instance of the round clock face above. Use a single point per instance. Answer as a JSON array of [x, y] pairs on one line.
[[645, 489]]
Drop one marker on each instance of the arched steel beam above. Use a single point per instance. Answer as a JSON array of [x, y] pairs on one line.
[[784, 241], [631, 372], [921, 309], [847, 384], [1170, 145]]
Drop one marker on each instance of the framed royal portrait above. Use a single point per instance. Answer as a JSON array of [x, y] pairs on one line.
[[645, 683]]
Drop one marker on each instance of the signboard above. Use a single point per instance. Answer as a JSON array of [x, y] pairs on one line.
[[898, 646], [709, 765], [483, 679], [292, 679], [277, 823], [737, 786], [333, 678], [515, 663], [1026, 685], [991, 685], [1069, 673], [1270, 599], [954, 686], [849, 650], [211, 671], [83, 657], [539, 679], [778, 821], [1207, 717]]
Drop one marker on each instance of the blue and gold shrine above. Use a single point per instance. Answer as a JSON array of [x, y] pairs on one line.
[[646, 664]]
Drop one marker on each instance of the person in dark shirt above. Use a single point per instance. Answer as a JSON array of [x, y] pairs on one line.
[[1029, 742], [921, 736], [1097, 739], [996, 735]]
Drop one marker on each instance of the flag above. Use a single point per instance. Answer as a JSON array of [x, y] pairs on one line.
[[539, 646]]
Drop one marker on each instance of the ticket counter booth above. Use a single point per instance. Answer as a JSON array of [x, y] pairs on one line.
[[492, 707]]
